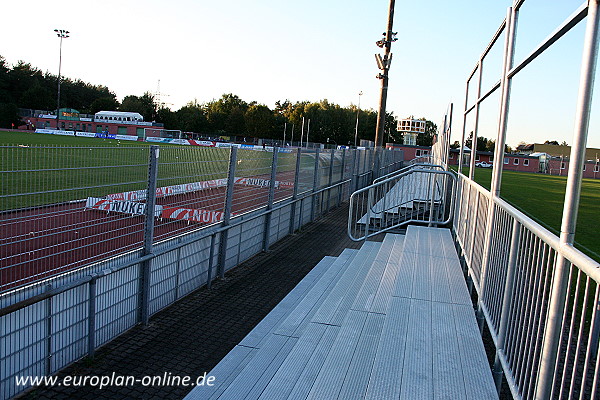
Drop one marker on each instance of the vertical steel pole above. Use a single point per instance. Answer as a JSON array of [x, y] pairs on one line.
[[509, 284], [48, 333], [177, 273], [476, 128], [295, 193], [387, 60], [148, 235], [556, 306], [58, 95], [315, 186], [461, 153], [302, 132], [505, 83], [355, 170], [227, 212], [449, 135], [340, 191], [211, 256], [505, 86], [91, 342], [269, 215], [330, 180]]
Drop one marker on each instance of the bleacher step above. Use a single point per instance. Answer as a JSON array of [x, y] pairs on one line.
[[392, 320]]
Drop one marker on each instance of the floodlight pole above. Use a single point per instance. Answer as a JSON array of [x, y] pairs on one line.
[[357, 113], [62, 34], [384, 64]]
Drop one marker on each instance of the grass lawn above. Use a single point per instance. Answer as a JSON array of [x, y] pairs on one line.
[[541, 197], [39, 169]]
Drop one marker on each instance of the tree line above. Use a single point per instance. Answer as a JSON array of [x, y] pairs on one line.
[[25, 86]]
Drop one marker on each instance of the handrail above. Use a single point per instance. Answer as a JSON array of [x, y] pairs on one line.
[[402, 170], [370, 190]]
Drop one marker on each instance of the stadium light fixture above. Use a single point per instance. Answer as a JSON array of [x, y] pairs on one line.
[[62, 34]]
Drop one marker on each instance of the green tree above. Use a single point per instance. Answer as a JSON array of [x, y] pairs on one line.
[[426, 138], [260, 121], [167, 117], [191, 118], [104, 104], [8, 115], [37, 97], [144, 105]]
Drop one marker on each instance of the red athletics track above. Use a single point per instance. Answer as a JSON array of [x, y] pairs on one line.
[[42, 242]]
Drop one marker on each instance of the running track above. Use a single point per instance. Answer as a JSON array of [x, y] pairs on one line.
[[42, 242]]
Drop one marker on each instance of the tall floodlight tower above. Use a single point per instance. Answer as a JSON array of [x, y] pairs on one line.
[[62, 34], [384, 65]]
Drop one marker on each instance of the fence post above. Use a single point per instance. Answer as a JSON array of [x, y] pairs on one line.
[[551, 344], [355, 170], [48, 332], [227, 212], [506, 302], [340, 191], [505, 85], [211, 256], [148, 235], [269, 215], [315, 186], [177, 273], [92, 318], [330, 180], [295, 194], [476, 127]]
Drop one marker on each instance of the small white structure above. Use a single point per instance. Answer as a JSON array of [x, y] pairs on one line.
[[409, 129], [118, 117]]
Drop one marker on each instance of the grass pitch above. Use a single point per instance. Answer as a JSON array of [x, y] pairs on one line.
[[541, 197], [41, 169]]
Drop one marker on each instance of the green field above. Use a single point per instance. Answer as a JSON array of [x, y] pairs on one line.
[[40, 169], [541, 197]]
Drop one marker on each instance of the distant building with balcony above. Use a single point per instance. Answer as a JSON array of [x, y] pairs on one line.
[[409, 129], [113, 122]]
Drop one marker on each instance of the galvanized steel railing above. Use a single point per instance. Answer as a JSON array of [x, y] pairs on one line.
[[513, 276], [418, 195], [538, 294]]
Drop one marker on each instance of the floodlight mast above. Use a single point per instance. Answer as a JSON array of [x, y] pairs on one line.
[[384, 65], [62, 34]]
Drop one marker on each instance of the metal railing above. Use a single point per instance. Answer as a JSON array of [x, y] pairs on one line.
[[512, 272], [418, 195], [538, 295], [256, 198]]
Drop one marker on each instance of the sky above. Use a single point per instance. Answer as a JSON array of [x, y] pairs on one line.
[[269, 50]]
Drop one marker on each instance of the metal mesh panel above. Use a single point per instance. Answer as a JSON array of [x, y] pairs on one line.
[[55, 211], [307, 171], [284, 176], [69, 338], [191, 188], [117, 304], [251, 190]]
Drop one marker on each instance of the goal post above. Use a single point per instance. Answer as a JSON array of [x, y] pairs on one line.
[[162, 133]]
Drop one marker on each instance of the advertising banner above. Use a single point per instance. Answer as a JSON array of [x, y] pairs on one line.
[[126, 207]]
